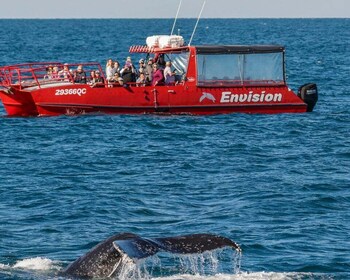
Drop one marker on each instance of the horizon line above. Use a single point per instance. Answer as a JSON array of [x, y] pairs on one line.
[[169, 18]]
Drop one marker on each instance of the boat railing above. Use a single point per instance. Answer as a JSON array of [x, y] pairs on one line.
[[45, 74]]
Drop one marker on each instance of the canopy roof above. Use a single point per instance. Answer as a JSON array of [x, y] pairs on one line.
[[213, 49], [226, 49]]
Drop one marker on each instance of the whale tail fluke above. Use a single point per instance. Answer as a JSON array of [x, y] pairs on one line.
[[109, 256], [140, 248]]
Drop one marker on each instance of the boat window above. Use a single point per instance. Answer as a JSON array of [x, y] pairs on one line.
[[179, 61], [240, 69]]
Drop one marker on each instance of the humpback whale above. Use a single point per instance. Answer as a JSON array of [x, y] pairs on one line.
[[108, 257]]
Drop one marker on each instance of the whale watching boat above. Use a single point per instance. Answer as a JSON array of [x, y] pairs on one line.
[[208, 79]]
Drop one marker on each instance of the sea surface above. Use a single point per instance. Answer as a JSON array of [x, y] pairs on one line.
[[278, 185]]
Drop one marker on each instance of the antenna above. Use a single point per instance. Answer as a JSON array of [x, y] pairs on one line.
[[178, 10], [194, 30]]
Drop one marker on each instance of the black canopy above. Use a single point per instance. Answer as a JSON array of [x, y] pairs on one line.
[[227, 49]]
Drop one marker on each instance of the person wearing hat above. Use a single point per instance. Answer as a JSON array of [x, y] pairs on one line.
[[99, 80], [80, 75], [142, 67]]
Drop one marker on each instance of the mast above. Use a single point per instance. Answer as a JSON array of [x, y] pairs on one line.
[[178, 10], [195, 27]]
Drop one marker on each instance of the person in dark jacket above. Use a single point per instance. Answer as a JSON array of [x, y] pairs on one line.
[[80, 75], [128, 73]]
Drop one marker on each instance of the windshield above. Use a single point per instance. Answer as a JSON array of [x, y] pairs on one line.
[[240, 69], [179, 61]]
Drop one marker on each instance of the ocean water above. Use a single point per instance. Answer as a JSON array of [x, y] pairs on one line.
[[278, 185]]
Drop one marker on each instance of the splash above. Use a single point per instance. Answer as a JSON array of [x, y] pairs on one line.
[[38, 263], [211, 263], [4, 266], [251, 276]]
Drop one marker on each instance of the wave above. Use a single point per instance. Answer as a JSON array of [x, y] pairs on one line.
[[50, 268], [38, 263]]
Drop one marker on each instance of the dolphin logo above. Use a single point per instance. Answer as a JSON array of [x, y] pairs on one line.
[[208, 96], [109, 257]]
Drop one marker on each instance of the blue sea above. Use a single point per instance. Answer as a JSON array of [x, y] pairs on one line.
[[278, 185]]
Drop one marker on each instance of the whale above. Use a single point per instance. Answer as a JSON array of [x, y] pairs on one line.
[[108, 257]]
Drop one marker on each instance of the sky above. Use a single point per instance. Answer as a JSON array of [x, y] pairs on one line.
[[168, 9]]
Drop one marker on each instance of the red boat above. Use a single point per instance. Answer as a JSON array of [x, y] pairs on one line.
[[208, 80]]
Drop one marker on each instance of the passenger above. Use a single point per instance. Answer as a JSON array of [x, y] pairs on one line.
[[80, 75], [149, 70], [98, 80], [161, 61], [157, 77], [92, 79], [65, 73], [141, 81], [54, 74], [128, 73], [117, 80], [169, 75], [142, 67], [109, 69], [48, 72], [116, 67]]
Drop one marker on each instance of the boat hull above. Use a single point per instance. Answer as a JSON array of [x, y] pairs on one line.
[[18, 103], [180, 99]]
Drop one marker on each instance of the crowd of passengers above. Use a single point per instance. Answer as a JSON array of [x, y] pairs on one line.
[[150, 73]]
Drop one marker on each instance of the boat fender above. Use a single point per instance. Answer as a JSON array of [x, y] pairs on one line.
[[309, 94]]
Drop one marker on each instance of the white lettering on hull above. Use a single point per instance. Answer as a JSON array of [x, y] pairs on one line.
[[229, 97], [76, 91]]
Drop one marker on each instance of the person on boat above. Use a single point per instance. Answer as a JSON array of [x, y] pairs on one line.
[[157, 75], [109, 69], [149, 70], [169, 75], [161, 61], [142, 67], [65, 73], [116, 80], [141, 81], [116, 67], [54, 73], [98, 80], [128, 73], [92, 78], [48, 73], [80, 75], [128, 59]]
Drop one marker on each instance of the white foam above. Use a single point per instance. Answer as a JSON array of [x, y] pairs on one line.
[[38, 263], [4, 266], [242, 276]]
